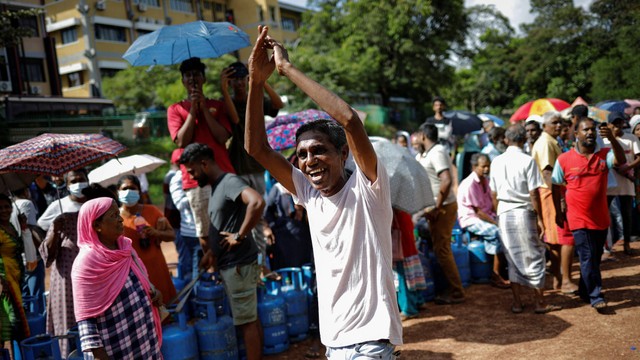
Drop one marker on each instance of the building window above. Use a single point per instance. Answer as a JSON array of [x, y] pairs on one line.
[[182, 5], [69, 35], [105, 73], [110, 33], [217, 7], [30, 22], [272, 13], [75, 79], [260, 13], [155, 3], [289, 24], [33, 69], [4, 69], [207, 5]]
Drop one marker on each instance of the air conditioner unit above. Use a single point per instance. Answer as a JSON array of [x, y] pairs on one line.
[[5, 86], [101, 5], [142, 7], [35, 90], [142, 19]]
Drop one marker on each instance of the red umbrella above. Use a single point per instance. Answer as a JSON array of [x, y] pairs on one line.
[[538, 107], [56, 154]]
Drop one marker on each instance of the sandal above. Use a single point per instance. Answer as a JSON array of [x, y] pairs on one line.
[[548, 309], [516, 309]]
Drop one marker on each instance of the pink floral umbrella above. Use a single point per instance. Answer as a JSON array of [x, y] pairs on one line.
[[281, 133]]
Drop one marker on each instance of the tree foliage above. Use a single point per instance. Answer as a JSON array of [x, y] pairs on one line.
[[12, 31]]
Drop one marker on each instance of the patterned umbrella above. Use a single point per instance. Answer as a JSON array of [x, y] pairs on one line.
[[613, 105], [595, 113], [538, 107], [281, 133], [56, 154]]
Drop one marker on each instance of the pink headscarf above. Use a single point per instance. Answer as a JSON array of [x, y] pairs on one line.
[[99, 274]]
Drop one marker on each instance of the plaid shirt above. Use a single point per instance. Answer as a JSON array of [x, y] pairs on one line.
[[126, 330]]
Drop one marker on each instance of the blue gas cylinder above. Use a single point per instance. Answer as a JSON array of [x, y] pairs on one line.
[[216, 335], [296, 301], [74, 347], [35, 318], [430, 292], [481, 263], [209, 288], [40, 347], [272, 311], [179, 340], [461, 256]]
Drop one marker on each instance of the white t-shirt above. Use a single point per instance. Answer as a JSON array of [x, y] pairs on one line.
[[351, 235], [435, 161], [631, 147], [53, 210], [513, 175]]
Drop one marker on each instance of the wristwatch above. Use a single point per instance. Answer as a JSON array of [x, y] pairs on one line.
[[238, 237]]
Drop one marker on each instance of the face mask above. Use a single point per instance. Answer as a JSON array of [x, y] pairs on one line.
[[76, 189], [129, 197]]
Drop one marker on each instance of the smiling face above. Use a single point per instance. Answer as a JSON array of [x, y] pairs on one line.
[[321, 162]]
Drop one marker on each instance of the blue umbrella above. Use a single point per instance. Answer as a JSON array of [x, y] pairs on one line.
[[175, 43], [613, 105], [488, 117]]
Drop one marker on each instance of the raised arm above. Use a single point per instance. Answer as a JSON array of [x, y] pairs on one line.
[[255, 136], [357, 138]]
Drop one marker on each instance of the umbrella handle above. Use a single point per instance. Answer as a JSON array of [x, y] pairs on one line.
[[59, 201]]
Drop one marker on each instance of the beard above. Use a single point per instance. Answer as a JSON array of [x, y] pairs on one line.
[[203, 180]]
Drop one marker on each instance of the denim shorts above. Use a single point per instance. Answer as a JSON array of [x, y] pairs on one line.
[[369, 350]]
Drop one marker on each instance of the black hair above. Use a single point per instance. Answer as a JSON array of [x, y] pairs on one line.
[[195, 152], [332, 129], [241, 70], [439, 98], [475, 158], [430, 131], [95, 191], [134, 179], [496, 133], [516, 134], [80, 171], [581, 120], [533, 122], [580, 111], [193, 63]]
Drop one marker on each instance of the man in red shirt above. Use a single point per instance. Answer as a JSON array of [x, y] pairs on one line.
[[584, 169], [199, 120]]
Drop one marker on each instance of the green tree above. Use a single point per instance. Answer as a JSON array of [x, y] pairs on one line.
[[384, 47], [136, 88], [12, 32]]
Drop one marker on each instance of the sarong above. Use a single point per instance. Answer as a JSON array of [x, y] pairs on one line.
[[548, 216], [522, 247]]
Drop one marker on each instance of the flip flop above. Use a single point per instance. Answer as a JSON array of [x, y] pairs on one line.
[[548, 309]]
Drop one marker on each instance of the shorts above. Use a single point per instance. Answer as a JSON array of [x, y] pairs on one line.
[[565, 236], [364, 351], [199, 201], [240, 284]]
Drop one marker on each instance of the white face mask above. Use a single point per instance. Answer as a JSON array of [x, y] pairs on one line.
[[76, 189]]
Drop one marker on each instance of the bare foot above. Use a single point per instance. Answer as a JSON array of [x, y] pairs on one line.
[[569, 288]]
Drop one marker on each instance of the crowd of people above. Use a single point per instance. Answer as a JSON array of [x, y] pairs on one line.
[[535, 194]]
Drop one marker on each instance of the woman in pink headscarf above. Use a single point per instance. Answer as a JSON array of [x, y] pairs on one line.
[[113, 299]]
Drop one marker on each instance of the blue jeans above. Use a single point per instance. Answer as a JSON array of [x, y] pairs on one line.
[[589, 246], [369, 350], [187, 247]]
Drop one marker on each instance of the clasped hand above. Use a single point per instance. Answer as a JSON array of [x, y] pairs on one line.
[[261, 65]]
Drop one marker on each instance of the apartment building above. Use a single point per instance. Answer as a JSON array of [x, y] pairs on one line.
[[29, 67], [92, 35]]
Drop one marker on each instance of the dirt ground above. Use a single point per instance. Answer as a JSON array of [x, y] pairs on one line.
[[484, 328]]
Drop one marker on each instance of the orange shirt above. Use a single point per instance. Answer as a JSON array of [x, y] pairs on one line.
[[152, 256]]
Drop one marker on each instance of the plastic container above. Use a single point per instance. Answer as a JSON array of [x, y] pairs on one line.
[[140, 223], [216, 335]]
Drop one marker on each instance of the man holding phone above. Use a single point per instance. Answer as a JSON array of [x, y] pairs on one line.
[[199, 120]]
